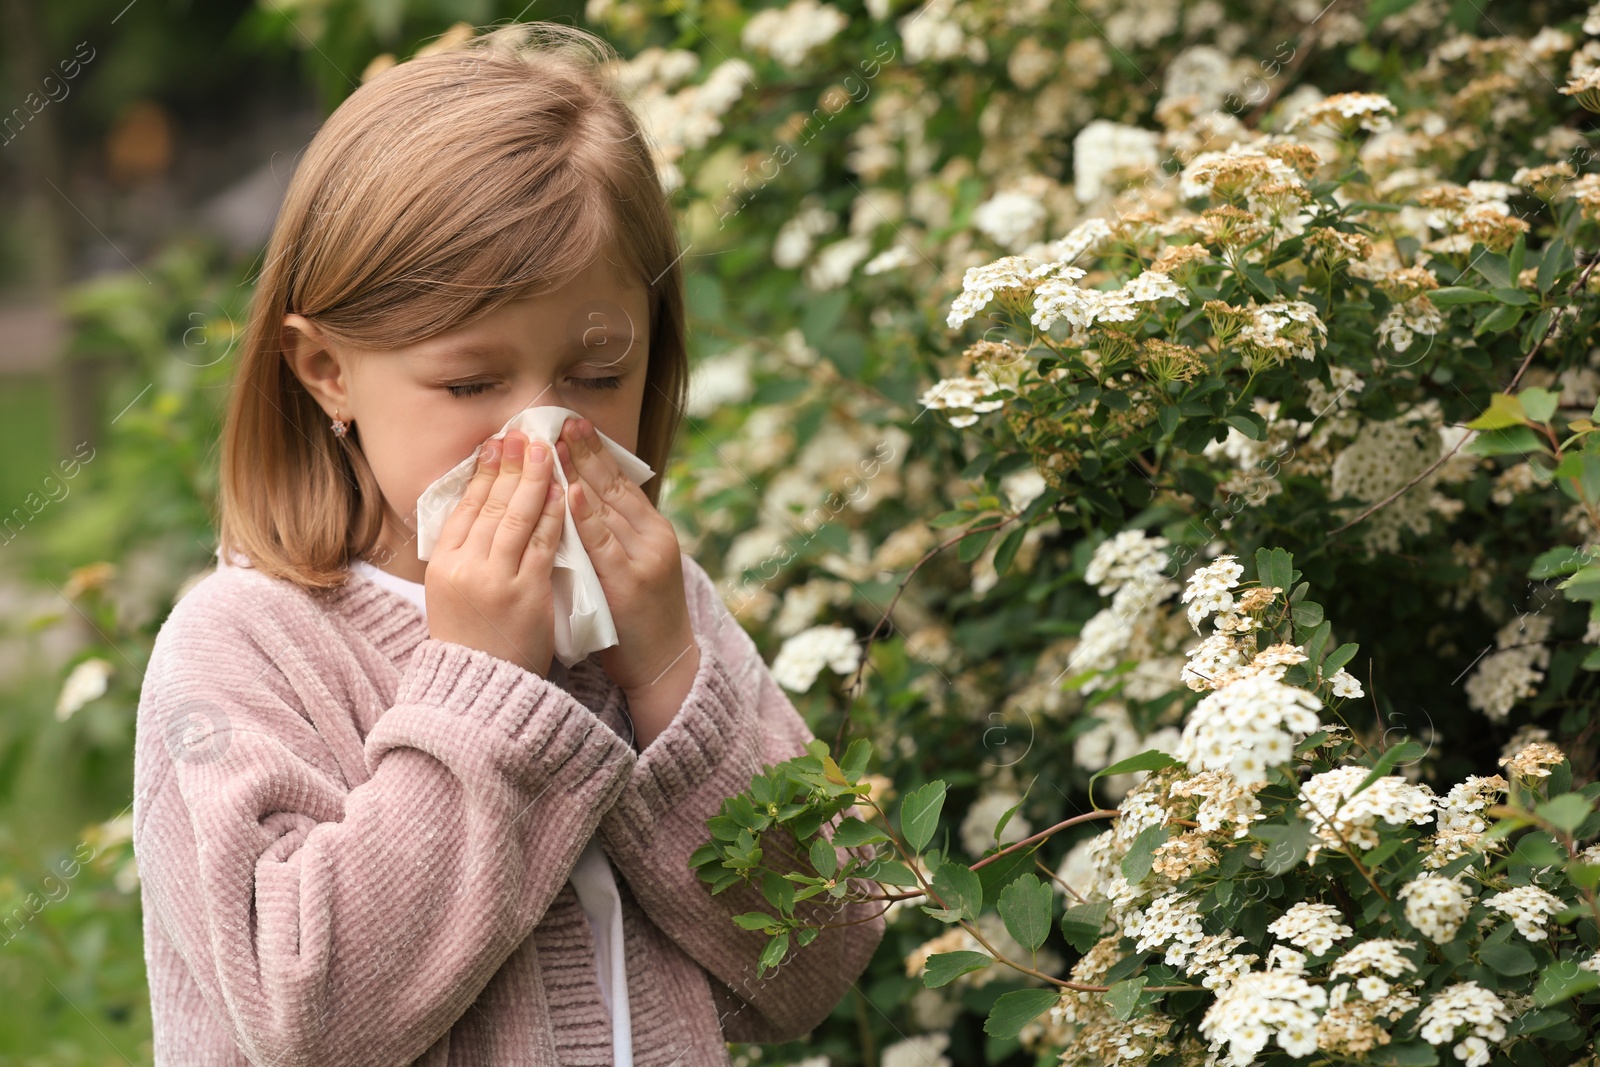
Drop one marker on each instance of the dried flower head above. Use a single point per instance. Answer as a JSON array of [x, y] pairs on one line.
[[1534, 760]]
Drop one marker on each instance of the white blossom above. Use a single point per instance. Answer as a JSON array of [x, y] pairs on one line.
[[1528, 907], [1009, 218], [1465, 1006], [802, 657], [1340, 815], [1436, 905], [1208, 591], [86, 682], [1247, 727], [790, 34], [1261, 1006]]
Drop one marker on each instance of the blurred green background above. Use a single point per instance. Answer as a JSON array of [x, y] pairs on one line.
[[144, 147]]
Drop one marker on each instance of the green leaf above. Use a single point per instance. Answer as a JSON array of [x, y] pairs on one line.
[[950, 518], [1501, 319], [1586, 576], [1008, 550], [919, 815], [1123, 997], [1495, 267], [1514, 297], [1557, 561], [1515, 439], [854, 764], [1149, 760], [1566, 811], [1259, 279], [1589, 478], [1405, 750], [1014, 1010], [824, 858], [1452, 295], [1563, 980], [853, 832], [946, 967], [1244, 425], [1536, 329], [893, 872], [1319, 637], [1507, 959], [1538, 404], [1311, 742], [1406, 1054], [1339, 657], [1141, 854], [1504, 411], [1306, 615], [1169, 417], [1552, 264], [958, 886], [1535, 1021], [996, 874], [1025, 907], [776, 949], [1081, 925], [973, 544], [758, 920], [1275, 568], [1287, 844]]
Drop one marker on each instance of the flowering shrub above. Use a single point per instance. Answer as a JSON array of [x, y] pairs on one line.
[[1006, 317], [1273, 887]]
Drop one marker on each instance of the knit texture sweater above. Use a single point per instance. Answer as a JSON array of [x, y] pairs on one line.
[[355, 843], [592, 877]]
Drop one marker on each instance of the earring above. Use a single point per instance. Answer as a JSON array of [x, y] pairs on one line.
[[339, 427]]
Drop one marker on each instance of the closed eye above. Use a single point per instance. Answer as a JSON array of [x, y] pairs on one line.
[[474, 388]]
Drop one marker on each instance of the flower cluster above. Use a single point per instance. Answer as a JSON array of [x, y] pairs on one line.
[[1209, 591], [1436, 905], [1470, 1012], [1343, 815], [1313, 927], [1247, 727], [1529, 907]]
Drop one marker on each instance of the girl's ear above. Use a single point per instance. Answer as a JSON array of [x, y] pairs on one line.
[[320, 368]]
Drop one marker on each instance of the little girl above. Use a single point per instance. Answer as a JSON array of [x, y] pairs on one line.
[[377, 822]]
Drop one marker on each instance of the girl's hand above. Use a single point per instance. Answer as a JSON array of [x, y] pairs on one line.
[[488, 582], [636, 556]]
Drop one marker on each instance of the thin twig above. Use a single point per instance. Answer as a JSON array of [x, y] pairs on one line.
[[855, 682], [1442, 460]]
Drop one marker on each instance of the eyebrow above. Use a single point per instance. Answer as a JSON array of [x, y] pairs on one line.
[[494, 349]]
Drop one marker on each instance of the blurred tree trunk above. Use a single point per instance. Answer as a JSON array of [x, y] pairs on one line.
[[36, 153]]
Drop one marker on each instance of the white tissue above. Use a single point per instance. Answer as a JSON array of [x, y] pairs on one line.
[[583, 622]]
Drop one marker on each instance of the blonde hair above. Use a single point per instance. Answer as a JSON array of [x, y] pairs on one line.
[[443, 187]]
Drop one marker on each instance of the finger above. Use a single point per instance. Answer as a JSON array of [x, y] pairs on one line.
[[462, 516], [541, 548], [605, 534], [481, 537], [599, 469], [522, 513]]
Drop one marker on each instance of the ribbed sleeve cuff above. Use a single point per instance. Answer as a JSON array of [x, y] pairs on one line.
[[691, 755], [544, 721]]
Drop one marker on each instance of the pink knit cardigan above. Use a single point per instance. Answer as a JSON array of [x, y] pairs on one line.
[[354, 844]]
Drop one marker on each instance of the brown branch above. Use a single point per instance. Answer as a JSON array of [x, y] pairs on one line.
[[1392, 497], [855, 682]]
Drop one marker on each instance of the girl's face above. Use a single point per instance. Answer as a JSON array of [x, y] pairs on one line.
[[423, 408]]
